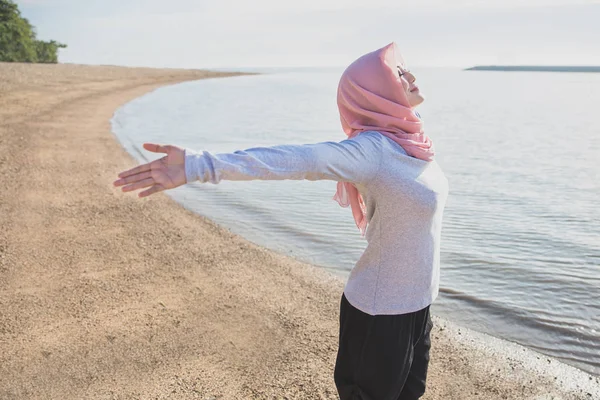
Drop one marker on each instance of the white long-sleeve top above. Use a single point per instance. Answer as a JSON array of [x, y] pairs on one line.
[[398, 272]]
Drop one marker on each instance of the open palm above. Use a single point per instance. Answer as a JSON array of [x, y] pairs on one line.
[[162, 174]]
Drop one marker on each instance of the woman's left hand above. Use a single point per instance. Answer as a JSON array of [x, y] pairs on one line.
[[162, 174]]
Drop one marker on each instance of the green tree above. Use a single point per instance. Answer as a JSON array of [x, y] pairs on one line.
[[47, 52], [18, 41]]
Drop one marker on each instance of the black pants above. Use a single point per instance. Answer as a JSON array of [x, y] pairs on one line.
[[382, 357]]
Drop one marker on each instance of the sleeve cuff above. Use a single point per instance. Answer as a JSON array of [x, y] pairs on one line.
[[191, 161]]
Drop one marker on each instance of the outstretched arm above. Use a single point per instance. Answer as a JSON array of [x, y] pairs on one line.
[[354, 160]]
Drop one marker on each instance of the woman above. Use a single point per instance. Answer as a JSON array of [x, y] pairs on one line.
[[386, 173]]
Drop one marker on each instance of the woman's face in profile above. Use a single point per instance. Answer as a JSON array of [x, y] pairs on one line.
[[408, 83]]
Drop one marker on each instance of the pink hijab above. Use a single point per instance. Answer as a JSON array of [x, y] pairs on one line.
[[371, 98]]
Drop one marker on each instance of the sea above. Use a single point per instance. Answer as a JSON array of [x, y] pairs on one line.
[[520, 251]]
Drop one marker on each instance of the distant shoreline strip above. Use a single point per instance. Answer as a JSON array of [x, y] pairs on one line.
[[534, 68]]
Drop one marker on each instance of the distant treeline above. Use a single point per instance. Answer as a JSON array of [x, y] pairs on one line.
[[18, 41], [535, 68]]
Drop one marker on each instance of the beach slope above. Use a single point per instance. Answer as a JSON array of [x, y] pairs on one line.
[[107, 296]]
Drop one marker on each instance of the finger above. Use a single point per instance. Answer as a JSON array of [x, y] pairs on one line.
[[154, 189], [157, 148], [139, 185], [133, 178], [136, 170]]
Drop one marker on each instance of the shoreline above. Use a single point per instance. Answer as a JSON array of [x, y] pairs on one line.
[[104, 295]]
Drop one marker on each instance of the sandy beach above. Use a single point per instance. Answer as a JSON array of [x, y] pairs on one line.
[[107, 296]]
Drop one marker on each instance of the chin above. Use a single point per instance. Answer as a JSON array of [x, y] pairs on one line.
[[416, 100]]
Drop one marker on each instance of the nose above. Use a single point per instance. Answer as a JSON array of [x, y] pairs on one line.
[[410, 77]]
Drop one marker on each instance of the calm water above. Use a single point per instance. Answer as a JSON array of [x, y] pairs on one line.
[[521, 151]]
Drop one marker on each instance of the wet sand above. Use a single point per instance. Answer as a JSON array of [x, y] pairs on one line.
[[107, 296]]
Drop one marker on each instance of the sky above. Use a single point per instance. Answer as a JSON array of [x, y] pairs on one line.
[[285, 33]]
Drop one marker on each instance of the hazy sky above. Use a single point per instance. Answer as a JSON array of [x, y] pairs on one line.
[[259, 33]]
